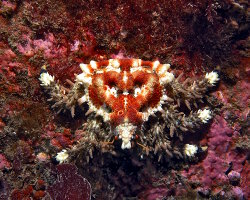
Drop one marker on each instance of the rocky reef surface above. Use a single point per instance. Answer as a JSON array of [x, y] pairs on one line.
[[194, 37]]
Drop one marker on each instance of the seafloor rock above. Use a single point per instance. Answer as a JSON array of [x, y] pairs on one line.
[[69, 184], [193, 36]]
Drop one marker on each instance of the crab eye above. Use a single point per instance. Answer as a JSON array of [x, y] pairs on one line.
[[137, 91], [113, 91]]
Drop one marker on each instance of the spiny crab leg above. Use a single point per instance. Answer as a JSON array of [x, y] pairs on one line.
[[143, 147]]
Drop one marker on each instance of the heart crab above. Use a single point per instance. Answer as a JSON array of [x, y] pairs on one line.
[[139, 102]]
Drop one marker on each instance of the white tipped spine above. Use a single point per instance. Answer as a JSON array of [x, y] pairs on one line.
[[84, 68], [93, 64], [212, 77], [46, 79], [155, 64], [62, 156], [190, 150], [204, 115]]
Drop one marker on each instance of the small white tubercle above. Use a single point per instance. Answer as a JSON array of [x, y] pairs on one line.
[[114, 63], [83, 78], [93, 64], [62, 156], [136, 63], [166, 78], [163, 69], [84, 68]]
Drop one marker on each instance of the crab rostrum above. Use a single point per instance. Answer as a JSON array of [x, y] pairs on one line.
[[137, 102]]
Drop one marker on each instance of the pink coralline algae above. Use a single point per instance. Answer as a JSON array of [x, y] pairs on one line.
[[69, 184], [238, 193], [59, 139], [4, 162], [221, 157], [47, 46], [156, 193]]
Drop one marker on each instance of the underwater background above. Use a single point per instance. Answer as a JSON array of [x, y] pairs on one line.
[[194, 36]]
